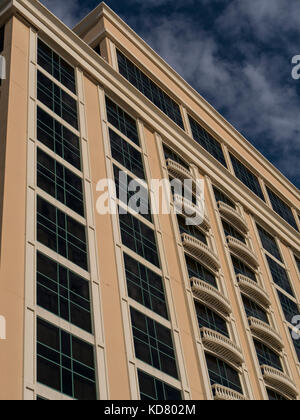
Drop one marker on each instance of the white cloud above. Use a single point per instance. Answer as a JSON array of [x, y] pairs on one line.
[[69, 11]]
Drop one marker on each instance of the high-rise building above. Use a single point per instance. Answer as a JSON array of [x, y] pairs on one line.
[[134, 306]]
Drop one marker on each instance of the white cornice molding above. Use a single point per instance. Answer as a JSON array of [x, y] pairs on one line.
[[103, 74], [108, 13]]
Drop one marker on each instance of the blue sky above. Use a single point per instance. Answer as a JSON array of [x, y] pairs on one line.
[[235, 53]]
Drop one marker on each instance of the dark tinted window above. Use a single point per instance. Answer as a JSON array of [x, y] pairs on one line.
[[126, 155], [56, 66], [207, 141], [209, 319], [221, 373], [150, 89], [154, 389], [266, 356], [281, 208], [63, 293], [61, 233], [274, 396], [269, 243], [169, 154], [195, 269], [145, 286], [298, 263], [57, 99], [246, 177], [122, 121], [153, 343], [2, 31], [280, 276], [191, 230], [65, 363], [58, 138], [296, 342], [229, 230], [220, 196], [139, 238], [289, 307], [59, 182], [254, 310], [242, 268]]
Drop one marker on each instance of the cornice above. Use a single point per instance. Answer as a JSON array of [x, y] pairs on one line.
[[90, 62]]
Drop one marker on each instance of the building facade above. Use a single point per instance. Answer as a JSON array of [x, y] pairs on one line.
[[128, 306]]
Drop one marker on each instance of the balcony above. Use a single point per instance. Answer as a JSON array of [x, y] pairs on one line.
[[280, 381], [222, 393], [179, 172], [233, 216], [242, 251], [254, 291], [200, 251], [189, 209], [266, 333], [221, 346], [209, 295]]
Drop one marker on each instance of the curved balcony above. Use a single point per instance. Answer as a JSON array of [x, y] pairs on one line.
[[209, 295], [179, 172], [200, 251], [279, 381], [221, 346], [222, 393], [266, 333], [242, 251], [253, 290], [189, 209], [233, 216]]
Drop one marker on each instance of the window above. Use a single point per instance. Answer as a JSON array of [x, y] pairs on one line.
[[150, 89], [254, 310], [2, 33], [125, 194], [205, 140], [274, 396], [97, 49], [296, 343], [191, 230], [221, 373], [289, 307], [156, 390], [220, 196], [209, 319], [229, 230], [57, 100], [61, 233], [269, 243], [197, 270], [58, 138], [246, 177], [122, 121], [153, 343], [243, 269], [139, 238], [63, 293], [126, 155], [65, 363], [56, 66], [145, 286], [281, 208], [169, 154], [280, 276], [266, 356], [59, 182]]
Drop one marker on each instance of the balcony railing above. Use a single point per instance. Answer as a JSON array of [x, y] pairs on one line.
[[233, 216], [253, 290], [242, 251], [179, 172], [189, 209], [210, 296], [222, 393], [279, 381], [266, 333], [221, 346], [200, 251]]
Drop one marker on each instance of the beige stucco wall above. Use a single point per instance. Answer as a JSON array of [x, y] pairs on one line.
[[13, 220]]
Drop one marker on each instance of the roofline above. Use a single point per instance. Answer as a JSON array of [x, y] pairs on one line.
[[104, 10]]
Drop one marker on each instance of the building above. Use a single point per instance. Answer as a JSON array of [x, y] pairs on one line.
[[130, 306]]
